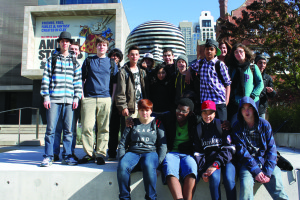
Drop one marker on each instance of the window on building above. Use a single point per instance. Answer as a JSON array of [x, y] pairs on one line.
[[206, 23]]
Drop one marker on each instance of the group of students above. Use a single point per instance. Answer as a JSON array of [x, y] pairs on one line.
[[176, 118]]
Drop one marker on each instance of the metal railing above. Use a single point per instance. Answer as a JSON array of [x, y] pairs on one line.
[[37, 120]]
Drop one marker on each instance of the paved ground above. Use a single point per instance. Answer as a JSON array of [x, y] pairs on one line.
[[28, 157]]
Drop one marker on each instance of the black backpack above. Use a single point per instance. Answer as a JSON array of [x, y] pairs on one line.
[[54, 59], [88, 64], [217, 68]]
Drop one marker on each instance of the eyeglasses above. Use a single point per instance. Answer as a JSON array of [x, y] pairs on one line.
[[238, 52], [182, 111]]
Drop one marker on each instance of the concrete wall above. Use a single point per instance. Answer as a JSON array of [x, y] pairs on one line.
[[98, 184], [291, 140]]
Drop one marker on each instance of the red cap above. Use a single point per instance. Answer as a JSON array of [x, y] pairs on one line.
[[208, 105]]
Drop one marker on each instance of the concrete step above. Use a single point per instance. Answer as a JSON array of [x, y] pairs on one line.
[[22, 178]]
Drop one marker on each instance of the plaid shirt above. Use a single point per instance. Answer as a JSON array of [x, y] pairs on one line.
[[253, 138], [211, 88]]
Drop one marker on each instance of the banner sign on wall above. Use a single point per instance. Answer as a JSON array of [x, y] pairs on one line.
[[83, 29]]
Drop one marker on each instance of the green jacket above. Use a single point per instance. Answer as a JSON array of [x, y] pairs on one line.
[[253, 84]]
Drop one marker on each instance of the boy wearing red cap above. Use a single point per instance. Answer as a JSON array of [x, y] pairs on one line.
[[213, 152]]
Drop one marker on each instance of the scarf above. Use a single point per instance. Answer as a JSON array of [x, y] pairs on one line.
[[239, 78]]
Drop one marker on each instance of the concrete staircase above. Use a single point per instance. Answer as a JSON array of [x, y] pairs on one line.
[[9, 135]]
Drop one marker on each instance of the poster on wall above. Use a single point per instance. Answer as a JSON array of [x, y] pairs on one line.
[[83, 29]]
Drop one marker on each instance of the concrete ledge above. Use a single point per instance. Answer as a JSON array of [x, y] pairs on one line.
[[8, 143], [22, 178], [291, 140]]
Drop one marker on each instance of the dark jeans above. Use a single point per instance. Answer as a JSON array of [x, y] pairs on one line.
[[228, 173], [148, 163], [221, 112], [114, 127]]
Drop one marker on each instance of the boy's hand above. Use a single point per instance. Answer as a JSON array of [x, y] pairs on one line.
[[269, 89], [260, 177], [205, 177], [226, 125], [47, 104], [210, 170], [125, 112], [144, 65]]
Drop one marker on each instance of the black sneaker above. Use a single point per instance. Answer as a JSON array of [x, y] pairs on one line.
[[56, 158], [86, 159], [75, 157], [100, 161]]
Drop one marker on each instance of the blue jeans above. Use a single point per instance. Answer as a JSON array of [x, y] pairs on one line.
[[53, 118], [179, 165], [59, 128], [228, 173], [148, 163], [274, 187]]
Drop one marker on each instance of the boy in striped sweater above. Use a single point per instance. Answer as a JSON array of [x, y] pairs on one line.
[[61, 89]]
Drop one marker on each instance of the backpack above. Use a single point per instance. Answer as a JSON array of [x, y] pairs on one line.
[[218, 124], [217, 68], [54, 59], [88, 64]]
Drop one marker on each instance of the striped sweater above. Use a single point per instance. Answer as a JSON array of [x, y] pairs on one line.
[[65, 84]]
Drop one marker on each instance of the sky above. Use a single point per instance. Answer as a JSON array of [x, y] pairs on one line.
[[173, 11]]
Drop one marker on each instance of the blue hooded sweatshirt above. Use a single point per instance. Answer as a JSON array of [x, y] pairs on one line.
[[266, 154]]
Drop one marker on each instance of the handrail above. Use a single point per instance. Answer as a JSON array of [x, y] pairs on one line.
[[37, 121]]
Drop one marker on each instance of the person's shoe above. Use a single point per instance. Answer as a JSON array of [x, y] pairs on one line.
[[86, 159], [46, 162], [56, 158], [69, 161], [74, 156], [100, 161]]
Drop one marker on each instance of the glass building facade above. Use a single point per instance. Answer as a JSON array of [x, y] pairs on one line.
[[63, 2], [15, 90]]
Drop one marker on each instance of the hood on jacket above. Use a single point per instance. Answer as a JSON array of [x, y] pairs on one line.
[[251, 101], [182, 57]]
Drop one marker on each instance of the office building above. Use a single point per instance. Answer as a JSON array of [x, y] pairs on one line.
[[25, 42], [207, 26], [187, 31]]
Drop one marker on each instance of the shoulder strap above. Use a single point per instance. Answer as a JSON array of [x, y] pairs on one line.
[[218, 70], [199, 130], [53, 64], [87, 65], [200, 64], [218, 124], [252, 68], [158, 122], [112, 66], [74, 60]]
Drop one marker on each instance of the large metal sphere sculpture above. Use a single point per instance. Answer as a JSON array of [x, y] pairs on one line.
[[154, 36]]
